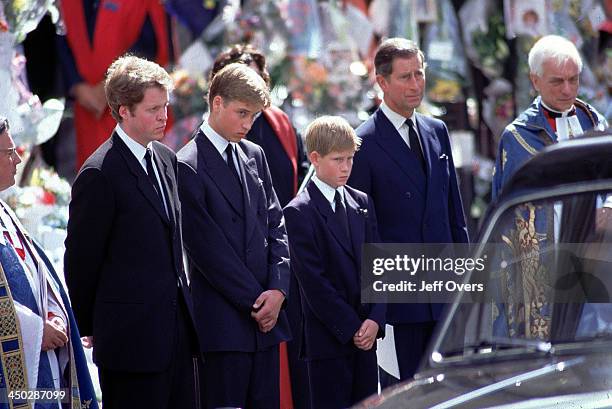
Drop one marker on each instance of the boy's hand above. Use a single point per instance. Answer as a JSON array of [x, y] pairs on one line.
[[266, 309], [366, 335]]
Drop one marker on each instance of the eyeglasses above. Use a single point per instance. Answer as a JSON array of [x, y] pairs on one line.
[[9, 151]]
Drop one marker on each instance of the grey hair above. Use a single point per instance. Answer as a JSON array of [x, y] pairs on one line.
[[552, 47], [4, 124]]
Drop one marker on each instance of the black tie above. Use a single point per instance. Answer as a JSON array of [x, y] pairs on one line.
[[229, 151], [151, 173], [340, 214], [415, 145]]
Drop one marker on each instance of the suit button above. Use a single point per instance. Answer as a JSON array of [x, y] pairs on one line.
[[409, 195]]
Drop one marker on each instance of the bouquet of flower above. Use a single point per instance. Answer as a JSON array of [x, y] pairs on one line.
[[447, 69], [189, 96], [31, 121], [44, 203], [335, 82], [484, 36], [498, 106], [321, 88], [19, 17]]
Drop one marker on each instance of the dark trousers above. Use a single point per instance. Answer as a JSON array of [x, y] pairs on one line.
[[176, 387], [297, 367], [410, 344], [241, 379], [342, 382]]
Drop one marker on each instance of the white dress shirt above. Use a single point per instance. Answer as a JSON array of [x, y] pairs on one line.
[[139, 152], [329, 192], [220, 143], [399, 122]]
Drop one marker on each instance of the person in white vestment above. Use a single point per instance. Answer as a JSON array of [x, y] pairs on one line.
[[38, 362]]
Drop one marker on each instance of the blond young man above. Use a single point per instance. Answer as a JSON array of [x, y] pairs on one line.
[[327, 224], [123, 259], [236, 246]]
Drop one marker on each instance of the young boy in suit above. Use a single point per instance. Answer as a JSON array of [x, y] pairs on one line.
[[236, 245], [327, 224]]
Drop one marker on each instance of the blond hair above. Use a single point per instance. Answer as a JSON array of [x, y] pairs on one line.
[[331, 134], [238, 82], [128, 78]]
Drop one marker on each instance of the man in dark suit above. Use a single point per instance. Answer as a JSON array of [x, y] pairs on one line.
[[123, 258], [405, 163], [327, 224], [288, 165], [236, 245]]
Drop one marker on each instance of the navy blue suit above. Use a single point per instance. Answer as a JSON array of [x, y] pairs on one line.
[[282, 174], [411, 206], [327, 264], [236, 245]]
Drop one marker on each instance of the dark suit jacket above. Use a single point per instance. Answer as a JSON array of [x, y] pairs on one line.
[[236, 244], [123, 258], [411, 206], [327, 266]]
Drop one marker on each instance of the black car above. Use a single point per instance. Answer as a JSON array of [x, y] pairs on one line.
[[542, 335]]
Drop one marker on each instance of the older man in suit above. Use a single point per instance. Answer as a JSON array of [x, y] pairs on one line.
[[123, 259], [236, 245], [405, 164]]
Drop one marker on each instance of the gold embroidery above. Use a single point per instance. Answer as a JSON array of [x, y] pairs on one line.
[[14, 369], [521, 140], [13, 362], [8, 326], [528, 292], [584, 107]]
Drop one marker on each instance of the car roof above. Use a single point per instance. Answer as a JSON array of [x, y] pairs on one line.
[[578, 160]]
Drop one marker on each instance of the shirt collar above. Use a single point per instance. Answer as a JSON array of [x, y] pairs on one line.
[[328, 192], [219, 142], [565, 113], [396, 119], [137, 149]]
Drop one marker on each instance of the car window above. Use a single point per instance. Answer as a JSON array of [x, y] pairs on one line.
[[549, 279]]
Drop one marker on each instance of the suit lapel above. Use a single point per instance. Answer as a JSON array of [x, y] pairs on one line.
[[392, 143], [250, 188], [327, 212], [144, 184], [430, 143], [356, 225], [219, 172], [431, 149], [166, 178]]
